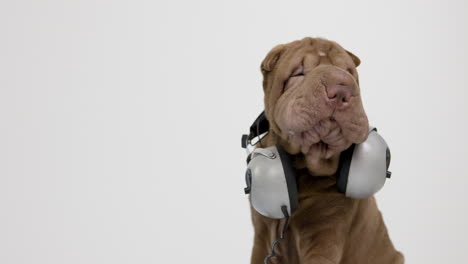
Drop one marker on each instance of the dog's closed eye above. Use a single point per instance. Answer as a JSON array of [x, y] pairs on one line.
[[295, 78], [298, 74], [299, 71]]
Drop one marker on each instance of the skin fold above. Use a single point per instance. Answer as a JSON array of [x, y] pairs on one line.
[[314, 107]]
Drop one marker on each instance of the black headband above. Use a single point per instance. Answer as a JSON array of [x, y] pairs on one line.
[[258, 127]]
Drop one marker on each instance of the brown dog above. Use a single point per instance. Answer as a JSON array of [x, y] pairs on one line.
[[313, 104]]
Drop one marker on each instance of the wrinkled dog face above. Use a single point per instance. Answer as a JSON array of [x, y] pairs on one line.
[[313, 103]]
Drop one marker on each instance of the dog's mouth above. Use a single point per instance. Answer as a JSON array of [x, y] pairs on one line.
[[324, 139]]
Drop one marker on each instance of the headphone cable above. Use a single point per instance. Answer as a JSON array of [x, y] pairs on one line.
[[284, 209]]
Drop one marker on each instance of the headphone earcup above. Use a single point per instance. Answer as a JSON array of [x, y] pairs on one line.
[[362, 169], [271, 182]]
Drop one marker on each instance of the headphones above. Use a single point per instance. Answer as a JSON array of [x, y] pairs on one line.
[[271, 179]]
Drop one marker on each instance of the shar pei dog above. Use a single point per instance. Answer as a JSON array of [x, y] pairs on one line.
[[314, 108]]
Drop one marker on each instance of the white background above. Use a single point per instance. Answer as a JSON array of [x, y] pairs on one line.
[[120, 123]]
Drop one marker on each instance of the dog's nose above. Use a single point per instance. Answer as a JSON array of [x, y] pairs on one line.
[[339, 93], [339, 87]]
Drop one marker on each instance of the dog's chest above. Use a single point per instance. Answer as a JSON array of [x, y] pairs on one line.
[[322, 209]]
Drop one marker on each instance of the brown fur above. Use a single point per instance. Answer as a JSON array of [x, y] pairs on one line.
[[327, 227]]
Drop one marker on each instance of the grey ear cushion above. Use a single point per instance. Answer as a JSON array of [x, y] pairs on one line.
[[290, 175], [342, 172]]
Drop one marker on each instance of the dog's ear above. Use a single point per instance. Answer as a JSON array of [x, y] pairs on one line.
[[355, 58], [271, 59]]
